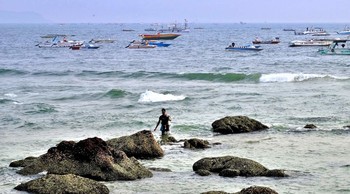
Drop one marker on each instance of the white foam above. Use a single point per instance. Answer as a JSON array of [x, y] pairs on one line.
[[150, 96], [292, 77], [11, 95]]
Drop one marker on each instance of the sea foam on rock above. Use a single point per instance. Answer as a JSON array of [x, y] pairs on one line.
[[237, 124]]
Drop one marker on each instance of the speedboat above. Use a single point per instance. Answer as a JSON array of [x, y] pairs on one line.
[[232, 47], [273, 41], [140, 45], [83, 46], [338, 47], [159, 36], [158, 44]]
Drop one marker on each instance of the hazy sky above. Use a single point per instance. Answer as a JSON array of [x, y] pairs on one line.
[[228, 11]]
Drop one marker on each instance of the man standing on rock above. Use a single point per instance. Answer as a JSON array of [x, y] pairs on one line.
[[164, 120]]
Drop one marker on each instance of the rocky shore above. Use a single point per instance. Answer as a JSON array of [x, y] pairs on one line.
[[76, 167]]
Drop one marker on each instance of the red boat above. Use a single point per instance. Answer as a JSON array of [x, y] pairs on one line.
[[159, 36]]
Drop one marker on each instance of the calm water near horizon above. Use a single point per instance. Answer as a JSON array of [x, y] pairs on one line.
[[56, 94]]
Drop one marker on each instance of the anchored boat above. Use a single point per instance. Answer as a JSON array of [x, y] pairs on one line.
[[232, 47], [159, 36], [338, 47]]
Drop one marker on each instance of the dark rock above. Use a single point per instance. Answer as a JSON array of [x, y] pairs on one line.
[[310, 126], [141, 145], [215, 192], [276, 173], [237, 124], [91, 158], [257, 190], [160, 169], [239, 166], [196, 144], [52, 184], [203, 172], [168, 140], [25, 162], [229, 173]]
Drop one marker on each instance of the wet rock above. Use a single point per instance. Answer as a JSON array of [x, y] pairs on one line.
[[229, 173], [52, 184], [160, 169], [195, 143], [257, 190], [202, 172], [215, 192], [235, 166], [237, 124], [91, 158], [140, 145], [310, 126]]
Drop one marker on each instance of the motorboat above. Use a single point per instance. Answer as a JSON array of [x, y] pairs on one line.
[[83, 46], [93, 41], [140, 45], [58, 41], [159, 36], [158, 43], [338, 47], [232, 47], [312, 42], [273, 41], [346, 31]]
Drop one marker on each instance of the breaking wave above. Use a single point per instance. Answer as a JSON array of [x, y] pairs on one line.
[[150, 96]]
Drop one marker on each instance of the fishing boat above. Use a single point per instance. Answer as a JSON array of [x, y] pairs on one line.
[[102, 41], [159, 36], [232, 47], [273, 41], [58, 41], [338, 47], [312, 42]]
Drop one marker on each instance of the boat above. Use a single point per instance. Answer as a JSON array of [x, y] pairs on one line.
[[83, 46], [58, 41], [140, 45], [175, 28], [346, 31], [128, 30], [338, 47], [232, 47], [273, 41], [265, 28], [158, 44], [312, 42], [288, 29], [101, 41], [159, 36]]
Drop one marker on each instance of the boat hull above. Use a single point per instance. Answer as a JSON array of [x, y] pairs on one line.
[[243, 49], [159, 36]]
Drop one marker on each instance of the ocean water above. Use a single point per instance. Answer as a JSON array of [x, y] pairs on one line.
[[51, 95]]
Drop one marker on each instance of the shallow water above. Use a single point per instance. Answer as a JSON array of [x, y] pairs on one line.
[[50, 95]]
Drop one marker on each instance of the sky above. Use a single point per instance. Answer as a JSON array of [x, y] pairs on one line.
[[162, 11]]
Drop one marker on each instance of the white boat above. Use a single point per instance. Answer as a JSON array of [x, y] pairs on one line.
[[338, 47], [346, 31], [232, 47], [140, 45], [59, 41], [312, 42]]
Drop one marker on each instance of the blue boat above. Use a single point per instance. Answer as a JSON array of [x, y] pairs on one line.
[[158, 44], [232, 47]]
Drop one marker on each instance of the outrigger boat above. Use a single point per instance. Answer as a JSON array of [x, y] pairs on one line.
[[140, 45], [336, 49], [232, 47], [159, 36]]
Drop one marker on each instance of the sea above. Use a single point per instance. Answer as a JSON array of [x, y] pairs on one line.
[[48, 95]]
